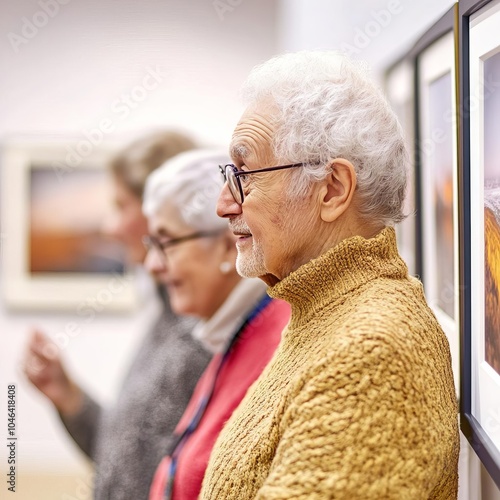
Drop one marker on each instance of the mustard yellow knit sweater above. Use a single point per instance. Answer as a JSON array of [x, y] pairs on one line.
[[358, 401]]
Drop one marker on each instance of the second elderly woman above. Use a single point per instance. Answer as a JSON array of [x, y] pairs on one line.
[[193, 253]]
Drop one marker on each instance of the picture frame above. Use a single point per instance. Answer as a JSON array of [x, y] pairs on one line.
[[55, 196], [399, 89], [436, 162], [479, 105]]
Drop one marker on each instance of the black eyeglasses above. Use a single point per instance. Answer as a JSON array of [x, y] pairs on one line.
[[162, 246], [233, 176]]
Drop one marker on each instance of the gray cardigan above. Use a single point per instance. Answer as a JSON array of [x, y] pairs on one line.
[[128, 440]]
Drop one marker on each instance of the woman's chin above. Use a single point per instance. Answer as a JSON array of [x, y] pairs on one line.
[[179, 304]]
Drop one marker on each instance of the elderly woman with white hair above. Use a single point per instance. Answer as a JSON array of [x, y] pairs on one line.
[[358, 400], [193, 253]]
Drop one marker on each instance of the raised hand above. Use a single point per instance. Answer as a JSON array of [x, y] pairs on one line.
[[44, 369]]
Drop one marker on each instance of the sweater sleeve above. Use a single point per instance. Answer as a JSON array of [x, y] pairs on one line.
[[365, 424], [83, 426]]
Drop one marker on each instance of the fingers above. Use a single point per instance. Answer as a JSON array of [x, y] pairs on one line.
[[38, 337], [41, 353], [41, 346], [33, 367]]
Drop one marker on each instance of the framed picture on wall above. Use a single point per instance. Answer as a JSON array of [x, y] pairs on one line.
[[55, 255], [480, 229], [437, 167], [399, 88]]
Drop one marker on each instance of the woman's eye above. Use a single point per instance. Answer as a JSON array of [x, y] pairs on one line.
[[164, 243]]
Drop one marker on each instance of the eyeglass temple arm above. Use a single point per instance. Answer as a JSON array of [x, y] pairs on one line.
[[269, 169]]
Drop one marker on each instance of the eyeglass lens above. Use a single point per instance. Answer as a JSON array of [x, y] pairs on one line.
[[233, 184]]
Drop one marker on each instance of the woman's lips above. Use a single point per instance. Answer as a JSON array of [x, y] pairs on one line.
[[173, 284]]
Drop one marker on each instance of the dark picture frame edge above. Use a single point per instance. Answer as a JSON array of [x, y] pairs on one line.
[[444, 25], [415, 178], [471, 428]]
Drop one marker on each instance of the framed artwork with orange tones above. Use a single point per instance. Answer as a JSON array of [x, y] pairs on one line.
[[437, 175], [399, 89], [55, 256], [480, 229]]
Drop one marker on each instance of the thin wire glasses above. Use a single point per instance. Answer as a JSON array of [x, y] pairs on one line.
[[233, 177], [163, 246]]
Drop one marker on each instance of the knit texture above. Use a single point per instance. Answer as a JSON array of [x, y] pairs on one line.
[[358, 401]]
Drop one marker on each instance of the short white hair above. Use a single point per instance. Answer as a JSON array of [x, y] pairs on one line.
[[190, 183], [328, 108]]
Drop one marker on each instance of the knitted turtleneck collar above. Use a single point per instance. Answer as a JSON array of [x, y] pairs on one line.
[[352, 263]]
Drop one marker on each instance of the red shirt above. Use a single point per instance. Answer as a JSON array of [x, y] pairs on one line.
[[245, 362]]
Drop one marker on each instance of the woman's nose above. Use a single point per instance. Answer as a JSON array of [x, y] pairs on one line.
[[154, 262]]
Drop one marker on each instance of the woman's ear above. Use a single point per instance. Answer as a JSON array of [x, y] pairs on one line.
[[337, 190], [227, 253]]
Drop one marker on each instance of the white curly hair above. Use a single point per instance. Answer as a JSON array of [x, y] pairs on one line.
[[191, 183], [328, 108]]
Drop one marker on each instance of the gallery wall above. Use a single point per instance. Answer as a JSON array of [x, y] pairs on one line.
[[78, 69]]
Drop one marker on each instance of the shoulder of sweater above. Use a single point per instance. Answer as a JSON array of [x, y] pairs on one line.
[[386, 323], [361, 361], [389, 306]]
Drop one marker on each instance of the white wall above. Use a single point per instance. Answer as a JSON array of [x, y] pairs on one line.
[[377, 31], [67, 77]]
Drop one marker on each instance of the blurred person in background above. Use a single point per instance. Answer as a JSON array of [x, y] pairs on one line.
[[193, 253], [127, 440]]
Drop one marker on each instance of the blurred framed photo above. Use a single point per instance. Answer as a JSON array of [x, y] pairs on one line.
[[480, 230], [437, 144], [399, 88], [54, 201]]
